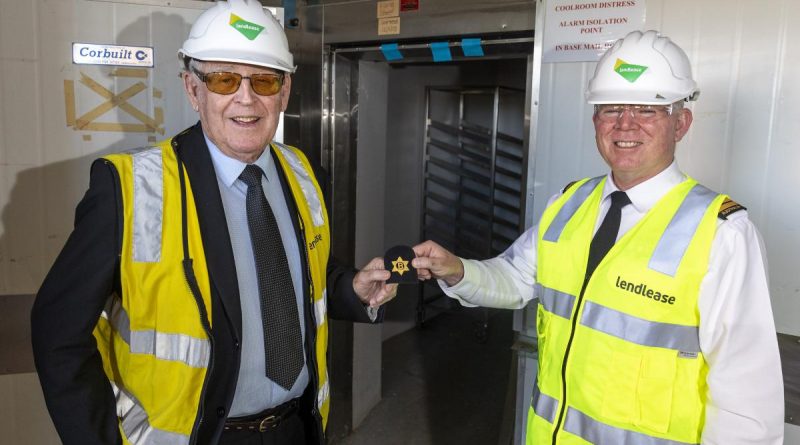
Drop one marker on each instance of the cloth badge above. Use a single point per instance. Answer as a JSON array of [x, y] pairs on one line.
[[397, 260]]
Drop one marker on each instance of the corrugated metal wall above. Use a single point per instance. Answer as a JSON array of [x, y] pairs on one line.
[[745, 137]]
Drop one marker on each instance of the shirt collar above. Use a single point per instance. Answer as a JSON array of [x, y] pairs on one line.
[[645, 195], [228, 169]]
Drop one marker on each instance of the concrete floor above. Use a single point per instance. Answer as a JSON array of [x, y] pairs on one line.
[[441, 384]]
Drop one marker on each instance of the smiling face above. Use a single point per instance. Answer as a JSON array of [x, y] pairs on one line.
[[638, 151], [241, 124]]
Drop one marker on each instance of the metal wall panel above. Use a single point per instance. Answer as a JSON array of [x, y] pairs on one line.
[[356, 21], [744, 137]]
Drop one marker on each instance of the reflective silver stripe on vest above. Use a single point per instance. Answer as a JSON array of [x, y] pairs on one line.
[[320, 308], [136, 424], [182, 348], [191, 351], [324, 392], [306, 184], [675, 240], [555, 302], [543, 405], [600, 433], [570, 207], [642, 332], [148, 205]]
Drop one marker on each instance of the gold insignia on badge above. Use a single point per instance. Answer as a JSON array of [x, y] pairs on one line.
[[402, 269], [400, 266]]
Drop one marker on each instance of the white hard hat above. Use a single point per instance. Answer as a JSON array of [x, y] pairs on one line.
[[239, 31], [642, 68]]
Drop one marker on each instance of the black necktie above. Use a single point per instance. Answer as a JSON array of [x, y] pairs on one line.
[[606, 235], [283, 344]]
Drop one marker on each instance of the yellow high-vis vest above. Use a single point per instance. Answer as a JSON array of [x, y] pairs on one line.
[[154, 338], [619, 355]]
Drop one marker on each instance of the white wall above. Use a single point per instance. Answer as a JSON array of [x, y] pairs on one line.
[[44, 163], [744, 139]]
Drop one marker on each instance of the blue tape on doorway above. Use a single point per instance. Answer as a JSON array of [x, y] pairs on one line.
[[472, 47], [441, 52], [391, 52], [289, 13]]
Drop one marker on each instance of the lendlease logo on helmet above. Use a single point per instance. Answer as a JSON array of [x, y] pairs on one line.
[[630, 72], [248, 29]]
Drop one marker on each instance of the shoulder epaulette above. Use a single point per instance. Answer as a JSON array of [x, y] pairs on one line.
[[729, 207], [566, 187]]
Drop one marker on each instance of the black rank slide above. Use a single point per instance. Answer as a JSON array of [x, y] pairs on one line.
[[397, 260]]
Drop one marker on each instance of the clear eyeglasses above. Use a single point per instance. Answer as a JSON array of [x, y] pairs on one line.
[[640, 113]]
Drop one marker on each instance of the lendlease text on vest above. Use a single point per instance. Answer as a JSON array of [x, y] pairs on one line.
[[643, 290]]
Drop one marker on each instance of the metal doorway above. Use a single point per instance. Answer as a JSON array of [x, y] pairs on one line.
[[419, 150], [362, 119], [424, 150]]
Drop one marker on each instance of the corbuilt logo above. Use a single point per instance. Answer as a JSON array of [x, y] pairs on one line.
[[630, 72], [248, 29]]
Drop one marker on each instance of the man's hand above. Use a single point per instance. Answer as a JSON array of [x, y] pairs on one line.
[[370, 284], [434, 261]]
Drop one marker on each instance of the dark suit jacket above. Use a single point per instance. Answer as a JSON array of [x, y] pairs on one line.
[[86, 273]]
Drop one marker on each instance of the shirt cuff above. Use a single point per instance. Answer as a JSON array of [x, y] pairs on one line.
[[372, 312], [463, 288]]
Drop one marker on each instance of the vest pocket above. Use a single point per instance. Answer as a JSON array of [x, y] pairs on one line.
[[542, 324], [639, 391], [619, 400], [656, 384]]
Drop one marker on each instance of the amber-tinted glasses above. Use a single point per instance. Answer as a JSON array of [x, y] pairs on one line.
[[264, 84]]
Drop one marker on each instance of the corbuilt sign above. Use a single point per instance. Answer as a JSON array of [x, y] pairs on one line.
[[92, 54]]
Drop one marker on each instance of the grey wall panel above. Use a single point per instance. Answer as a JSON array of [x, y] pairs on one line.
[[370, 203]]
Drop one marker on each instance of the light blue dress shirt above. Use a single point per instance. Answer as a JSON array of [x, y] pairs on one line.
[[254, 391]]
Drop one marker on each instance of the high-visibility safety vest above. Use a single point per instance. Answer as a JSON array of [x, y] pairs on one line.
[[619, 355], [154, 338]]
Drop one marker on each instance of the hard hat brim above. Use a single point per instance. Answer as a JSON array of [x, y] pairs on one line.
[[240, 57], [634, 98]]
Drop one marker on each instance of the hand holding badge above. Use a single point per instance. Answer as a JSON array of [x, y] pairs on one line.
[[397, 260]]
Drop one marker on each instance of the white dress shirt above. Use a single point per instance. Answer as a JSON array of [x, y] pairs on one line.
[[737, 331]]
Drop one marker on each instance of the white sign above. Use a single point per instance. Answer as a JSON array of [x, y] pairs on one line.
[[581, 30], [91, 54]]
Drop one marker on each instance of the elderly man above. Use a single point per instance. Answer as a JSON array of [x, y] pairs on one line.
[[190, 304], [654, 318]]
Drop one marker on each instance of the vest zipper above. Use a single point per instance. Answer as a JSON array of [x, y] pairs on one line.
[[191, 281], [562, 411], [311, 335]]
